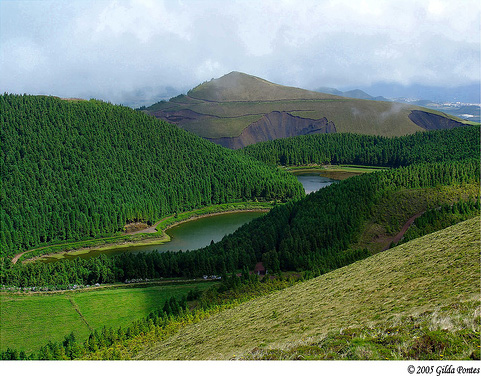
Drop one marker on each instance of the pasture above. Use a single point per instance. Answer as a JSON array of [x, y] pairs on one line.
[[30, 320]]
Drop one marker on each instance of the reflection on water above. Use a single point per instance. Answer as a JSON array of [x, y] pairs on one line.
[[200, 232], [313, 182]]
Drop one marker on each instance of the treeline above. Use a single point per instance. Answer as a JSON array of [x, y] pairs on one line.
[[73, 170], [315, 233], [346, 148]]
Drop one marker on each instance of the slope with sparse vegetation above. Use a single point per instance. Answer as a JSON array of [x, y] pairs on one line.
[[420, 300], [239, 109]]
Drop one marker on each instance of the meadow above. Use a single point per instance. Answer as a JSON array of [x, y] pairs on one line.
[[30, 320]]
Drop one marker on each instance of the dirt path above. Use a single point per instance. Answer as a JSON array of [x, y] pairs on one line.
[[77, 309], [149, 230], [401, 233], [15, 259]]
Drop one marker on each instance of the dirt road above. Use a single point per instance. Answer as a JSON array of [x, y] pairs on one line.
[[401, 233]]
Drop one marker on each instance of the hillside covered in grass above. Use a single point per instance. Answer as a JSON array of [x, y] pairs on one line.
[[74, 170], [239, 109], [420, 300]]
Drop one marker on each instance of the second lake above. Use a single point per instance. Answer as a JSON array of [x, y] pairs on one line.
[[313, 182]]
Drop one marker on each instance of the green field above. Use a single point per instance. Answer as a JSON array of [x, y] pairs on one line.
[[432, 281], [29, 321]]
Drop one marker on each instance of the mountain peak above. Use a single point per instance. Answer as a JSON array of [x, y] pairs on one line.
[[237, 86]]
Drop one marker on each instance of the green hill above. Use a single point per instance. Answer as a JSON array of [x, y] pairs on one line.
[[418, 300], [326, 229], [241, 87], [74, 170], [239, 109]]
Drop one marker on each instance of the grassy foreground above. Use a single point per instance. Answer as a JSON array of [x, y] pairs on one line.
[[430, 284], [30, 320]]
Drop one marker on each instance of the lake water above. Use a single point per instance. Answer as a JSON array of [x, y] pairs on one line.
[[313, 182], [185, 236], [199, 233]]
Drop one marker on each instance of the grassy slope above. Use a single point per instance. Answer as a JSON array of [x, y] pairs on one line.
[[236, 100], [237, 86], [29, 321], [427, 275], [349, 115]]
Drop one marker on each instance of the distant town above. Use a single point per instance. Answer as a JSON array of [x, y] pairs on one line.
[[468, 111]]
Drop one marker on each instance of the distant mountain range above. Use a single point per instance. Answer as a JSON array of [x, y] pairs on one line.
[[356, 93], [239, 109], [469, 112]]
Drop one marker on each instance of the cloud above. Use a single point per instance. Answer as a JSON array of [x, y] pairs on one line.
[[108, 49]]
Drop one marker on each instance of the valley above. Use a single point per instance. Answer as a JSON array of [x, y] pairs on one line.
[[150, 237], [94, 196], [184, 236], [181, 181]]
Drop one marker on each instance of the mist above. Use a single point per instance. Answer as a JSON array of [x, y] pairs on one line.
[[142, 51]]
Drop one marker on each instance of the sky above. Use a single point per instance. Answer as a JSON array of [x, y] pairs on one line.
[[126, 51]]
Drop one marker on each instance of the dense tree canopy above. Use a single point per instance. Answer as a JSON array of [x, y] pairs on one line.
[[317, 231], [73, 170], [314, 233], [84, 169], [346, 148]]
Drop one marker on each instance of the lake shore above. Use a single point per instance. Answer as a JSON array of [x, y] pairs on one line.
[[334, 172], [150, 237]]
